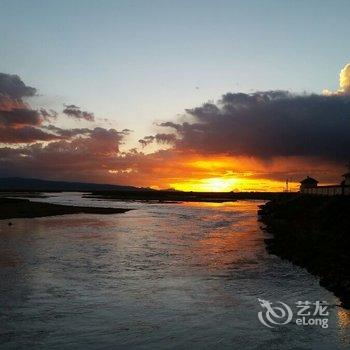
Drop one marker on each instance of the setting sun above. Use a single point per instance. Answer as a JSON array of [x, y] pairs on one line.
[[215, 184]]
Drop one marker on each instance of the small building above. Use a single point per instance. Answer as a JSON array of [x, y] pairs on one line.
[[310, 186], [309, 182]]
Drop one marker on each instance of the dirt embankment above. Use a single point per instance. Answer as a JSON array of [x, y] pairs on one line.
[[313, 232], [23, 208]]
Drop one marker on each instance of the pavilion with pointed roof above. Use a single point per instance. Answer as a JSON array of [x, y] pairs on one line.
[[309, 182]]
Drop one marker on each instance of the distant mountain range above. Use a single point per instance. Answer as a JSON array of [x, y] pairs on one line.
[[27, 184]]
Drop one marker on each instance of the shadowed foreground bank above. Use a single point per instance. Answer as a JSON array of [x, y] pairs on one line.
[[23, 208], [313, 232]]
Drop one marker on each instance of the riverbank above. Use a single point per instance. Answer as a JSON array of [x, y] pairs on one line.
[[12, 208], [313, 232], [179, 196]]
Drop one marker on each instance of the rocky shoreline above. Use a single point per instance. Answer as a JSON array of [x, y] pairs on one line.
[[313, 232], [12, 208]]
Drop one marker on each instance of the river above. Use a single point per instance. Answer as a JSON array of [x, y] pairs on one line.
[[161, 276]]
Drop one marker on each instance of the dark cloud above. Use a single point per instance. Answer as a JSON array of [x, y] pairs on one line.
[[43, 148], [74, 111], [18, 117], [173, 125], [269, 124], [159, 138], [48, 115], [146, 140], [67, 133], [165, 138], [26, 134], [106, 141], [98, 141], [19, 123], [86, 157], [8, 103], [13, 86]]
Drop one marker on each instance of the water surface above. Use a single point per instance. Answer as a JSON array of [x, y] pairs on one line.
[[165, 276]]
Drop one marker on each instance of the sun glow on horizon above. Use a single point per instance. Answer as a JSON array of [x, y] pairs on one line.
[[215, 173], [225, 184], [215, 184], [225, 174]]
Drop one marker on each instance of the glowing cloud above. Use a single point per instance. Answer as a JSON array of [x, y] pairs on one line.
[[344, 79], [344, 83]]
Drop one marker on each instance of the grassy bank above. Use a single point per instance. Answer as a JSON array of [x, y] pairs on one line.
[[313, 232], [23, 208]]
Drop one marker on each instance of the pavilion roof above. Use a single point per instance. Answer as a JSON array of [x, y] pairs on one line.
[[309, 180]]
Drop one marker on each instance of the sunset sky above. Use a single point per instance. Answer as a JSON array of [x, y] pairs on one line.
[[192, 95]]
